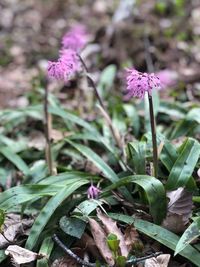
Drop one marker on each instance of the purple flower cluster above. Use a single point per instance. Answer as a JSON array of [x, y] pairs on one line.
[[76, 38], [93, 192], [68, 63], [65, 66], [139, 83]]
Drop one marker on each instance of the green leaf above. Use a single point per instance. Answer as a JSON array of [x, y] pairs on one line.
[[190, 234], [174, 110], [68, 116], [72, 226], [15, 146], [184, 165], [161, 235], [121, 261], [15, 159], [2, 255], [194, 115], [168, 155], [97, 160], [87, 206], [46, 249], [37, 172], [113, 242], [68, 176], [99, 163], [183, 128], [187, 126], [2, 218], [154, 190], [133, 116], [137, 154], [48, 210], [106, 79], [21, 194]]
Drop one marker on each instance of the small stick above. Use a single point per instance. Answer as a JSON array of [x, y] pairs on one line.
[[70, 253], [137, 260]]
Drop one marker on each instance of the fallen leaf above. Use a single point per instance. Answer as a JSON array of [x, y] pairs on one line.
[[180, 203], [174, 223], [21, 255], [65, 261], [12, 227], [179, 210], [37, 140], [160, 261], [131, 237], [100, 240], [87, 243], [111, 228]]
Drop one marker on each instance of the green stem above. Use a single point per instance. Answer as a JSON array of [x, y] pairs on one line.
[[153, 133]]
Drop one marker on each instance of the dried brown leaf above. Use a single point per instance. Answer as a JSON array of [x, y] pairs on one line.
[[100, 240], [131, 237], [160, 261], [180, 203], [179, 210], [65, 261], [87, 243], [21, 255], [111, 227], [13, 226], [174, 223]]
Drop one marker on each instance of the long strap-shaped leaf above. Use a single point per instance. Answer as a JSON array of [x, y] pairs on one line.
[[21, 194], [15, 159], [72, 117], [106, 170], [46, 248], [154, 190], [190, 234], [161, 235], [68, 116], [184, 165], [48, 210]]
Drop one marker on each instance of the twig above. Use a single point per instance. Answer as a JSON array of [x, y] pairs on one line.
[[70, 253], [137, 260], [9, 241], [47, 126]]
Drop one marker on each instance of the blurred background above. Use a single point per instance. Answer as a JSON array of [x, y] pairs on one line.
[[151, 35]]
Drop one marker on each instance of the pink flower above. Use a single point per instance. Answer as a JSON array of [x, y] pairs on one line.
[[65, 66], [167, 77], [138, 83], [93, 192], [76, 38]]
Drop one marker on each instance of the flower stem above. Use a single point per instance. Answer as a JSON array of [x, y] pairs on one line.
[[47, 126], [153, 133], [113, 130]]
